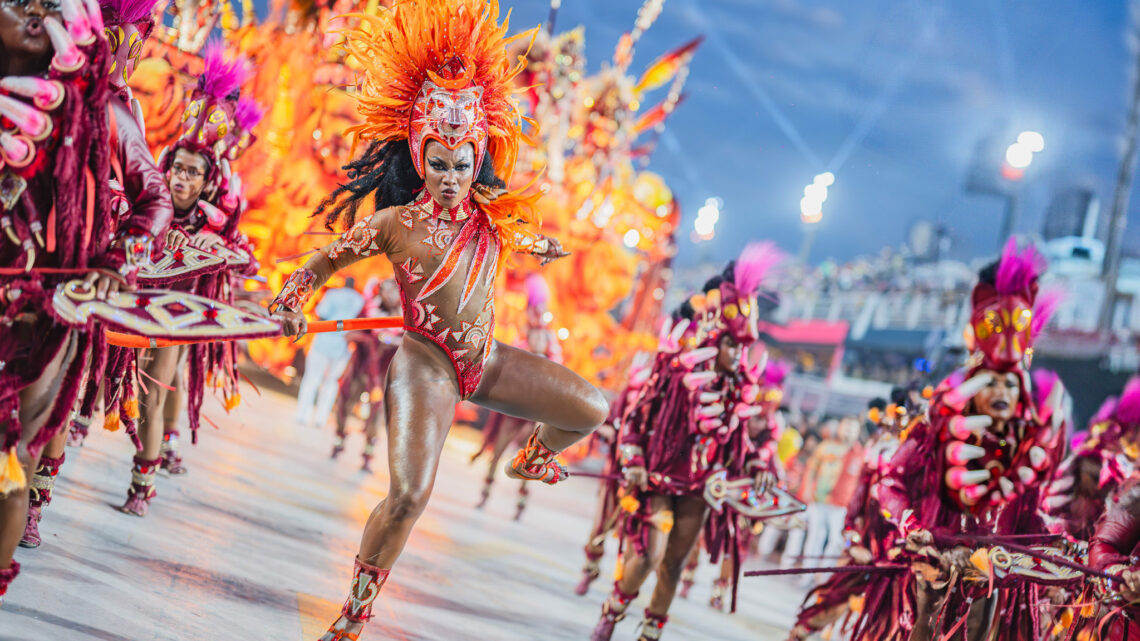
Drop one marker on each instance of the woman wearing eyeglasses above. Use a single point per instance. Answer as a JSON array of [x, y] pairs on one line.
[[195, 171]]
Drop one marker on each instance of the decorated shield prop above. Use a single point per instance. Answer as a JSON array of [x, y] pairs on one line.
[[157, 313], [180, 264], [1006, 565], [232, 257], [741, 495]]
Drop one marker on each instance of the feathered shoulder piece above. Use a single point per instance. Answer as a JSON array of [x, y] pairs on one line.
[[439, 70]]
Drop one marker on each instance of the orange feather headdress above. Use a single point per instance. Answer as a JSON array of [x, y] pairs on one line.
[[439, 70]]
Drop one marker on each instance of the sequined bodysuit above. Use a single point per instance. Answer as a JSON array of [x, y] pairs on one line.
[[445, 263]]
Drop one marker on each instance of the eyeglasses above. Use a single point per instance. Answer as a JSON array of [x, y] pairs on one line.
[[189, 173]]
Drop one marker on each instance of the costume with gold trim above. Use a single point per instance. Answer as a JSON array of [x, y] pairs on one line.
[[954, 477]]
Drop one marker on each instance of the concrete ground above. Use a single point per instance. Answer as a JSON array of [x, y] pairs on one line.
[[257, 541]]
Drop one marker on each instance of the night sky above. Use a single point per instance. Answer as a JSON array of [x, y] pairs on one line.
[[891, 95]]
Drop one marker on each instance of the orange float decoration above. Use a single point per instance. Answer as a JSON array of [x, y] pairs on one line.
[[591, 141]]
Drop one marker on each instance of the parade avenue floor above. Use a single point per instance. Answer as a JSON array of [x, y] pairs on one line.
[[257, 541]]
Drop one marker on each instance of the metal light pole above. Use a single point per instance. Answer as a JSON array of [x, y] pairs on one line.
[[1010, 220], [1118, 218], [809, 240]]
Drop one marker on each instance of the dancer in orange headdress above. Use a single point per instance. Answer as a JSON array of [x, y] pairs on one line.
[[442, 130]]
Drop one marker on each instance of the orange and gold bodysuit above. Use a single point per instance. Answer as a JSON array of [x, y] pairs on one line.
[[445, 263]]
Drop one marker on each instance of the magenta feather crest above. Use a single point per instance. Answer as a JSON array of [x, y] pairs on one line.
[[1044, 307], [1128, 407], [1044, 381], [248, 113], [221, 76], [776, 372], [756, 262], [537, 291], [128, 11], [1018, 269], [1106, 411]]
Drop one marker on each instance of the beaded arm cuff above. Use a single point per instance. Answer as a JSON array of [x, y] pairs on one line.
[[296, 292]]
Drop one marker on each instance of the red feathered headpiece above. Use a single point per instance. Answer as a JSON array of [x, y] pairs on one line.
[[731, 305], [209, 118], [1003, 303]]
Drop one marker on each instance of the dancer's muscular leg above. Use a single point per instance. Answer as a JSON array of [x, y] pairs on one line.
[[636, 567], [161, 368], [519, 383], [161, 365], [56, 446], [689, 513], [35, 408], [420, 406], [172, 404], [42, 485]]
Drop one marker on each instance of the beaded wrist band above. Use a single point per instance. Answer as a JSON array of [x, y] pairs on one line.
[[296, 292]]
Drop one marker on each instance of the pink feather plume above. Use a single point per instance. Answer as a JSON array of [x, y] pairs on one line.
[[127, 11], [1106, 411], [1043, 309], [537, 291], [1043, 383], [1128, 407], [755, 263], [1018, 269], [776, 372], [221, 76], [248, 113]]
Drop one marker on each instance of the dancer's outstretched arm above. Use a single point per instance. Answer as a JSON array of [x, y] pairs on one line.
[[370, 236]]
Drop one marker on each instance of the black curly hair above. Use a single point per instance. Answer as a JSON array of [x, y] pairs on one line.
[[684, 311], [988, 274], [385, 171]]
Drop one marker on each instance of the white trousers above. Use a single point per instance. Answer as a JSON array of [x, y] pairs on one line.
[[825, 524], [319, 387]]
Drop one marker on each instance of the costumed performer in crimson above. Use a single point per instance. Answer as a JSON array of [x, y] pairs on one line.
[[974, 466], [137, 189], [57, 150], [689, 425], [1115, 549], [442, 130]]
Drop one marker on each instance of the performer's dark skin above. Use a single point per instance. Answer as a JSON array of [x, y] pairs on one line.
[[423, 386]]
